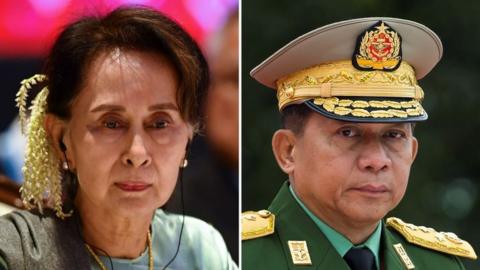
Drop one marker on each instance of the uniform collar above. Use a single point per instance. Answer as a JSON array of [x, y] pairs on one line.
[[323, 255], [341, 244]]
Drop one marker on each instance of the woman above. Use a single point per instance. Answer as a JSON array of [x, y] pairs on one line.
[[107, 140]]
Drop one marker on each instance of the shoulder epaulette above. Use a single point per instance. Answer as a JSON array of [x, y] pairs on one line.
[[445, 242], [257, 224]]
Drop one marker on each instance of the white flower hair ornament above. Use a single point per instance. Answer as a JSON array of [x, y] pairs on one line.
[[42, 174]]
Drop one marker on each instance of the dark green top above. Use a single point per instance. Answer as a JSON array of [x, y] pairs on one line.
[[292, 223]]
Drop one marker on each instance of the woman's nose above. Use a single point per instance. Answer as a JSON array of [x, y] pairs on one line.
[[136, 154]]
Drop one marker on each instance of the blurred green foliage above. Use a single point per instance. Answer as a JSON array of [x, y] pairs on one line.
[[443, 192]]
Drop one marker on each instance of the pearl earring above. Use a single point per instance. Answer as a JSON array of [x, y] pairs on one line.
[[184, 164], [65, 166]]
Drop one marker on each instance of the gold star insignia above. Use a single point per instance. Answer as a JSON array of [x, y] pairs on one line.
[[382, 28]]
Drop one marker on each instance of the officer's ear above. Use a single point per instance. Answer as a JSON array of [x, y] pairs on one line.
[[414, 148], [414, 144], [283, 145]]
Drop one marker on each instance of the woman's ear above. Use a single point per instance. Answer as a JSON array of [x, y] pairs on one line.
[[55, 128], [283, 145], [192, 131]]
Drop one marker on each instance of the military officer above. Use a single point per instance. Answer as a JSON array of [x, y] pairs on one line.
[[349, 98]]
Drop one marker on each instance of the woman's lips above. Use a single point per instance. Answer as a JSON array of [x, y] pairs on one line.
[[132, 186]]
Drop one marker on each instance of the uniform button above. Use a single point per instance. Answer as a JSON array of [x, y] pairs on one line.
[[264, 213]]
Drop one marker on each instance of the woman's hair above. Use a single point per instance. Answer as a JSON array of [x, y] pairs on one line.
[[130, 28], [77, 47]]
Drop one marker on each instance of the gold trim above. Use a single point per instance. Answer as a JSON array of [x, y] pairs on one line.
[[429, 238], [358, 108], [342, 79], [257, 224]]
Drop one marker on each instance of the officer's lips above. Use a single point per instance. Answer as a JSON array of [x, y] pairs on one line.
[[372, 189]]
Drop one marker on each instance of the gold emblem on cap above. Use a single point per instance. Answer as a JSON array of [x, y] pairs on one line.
[[299, 252], [379, 49], [404, 256]]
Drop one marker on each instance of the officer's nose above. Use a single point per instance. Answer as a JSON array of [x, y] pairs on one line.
[[373, 157], [136, 154]]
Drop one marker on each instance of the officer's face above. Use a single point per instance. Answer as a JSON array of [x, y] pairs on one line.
[[351, 173]]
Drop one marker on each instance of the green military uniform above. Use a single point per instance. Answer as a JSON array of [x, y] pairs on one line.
[[361, 71], [267, 246]]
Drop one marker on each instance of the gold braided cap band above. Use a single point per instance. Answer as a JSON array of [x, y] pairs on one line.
[[328, 84]]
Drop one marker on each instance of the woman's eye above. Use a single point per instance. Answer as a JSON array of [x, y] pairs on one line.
[[111, 124], [160, 124]]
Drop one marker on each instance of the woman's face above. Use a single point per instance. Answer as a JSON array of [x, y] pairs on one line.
[[126, 138]]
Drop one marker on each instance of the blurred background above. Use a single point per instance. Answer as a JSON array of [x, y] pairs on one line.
[[28, 29], [443, 191]]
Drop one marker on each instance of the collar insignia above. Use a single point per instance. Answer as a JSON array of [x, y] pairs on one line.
[[404, 256], [378, 48], [299, 252]]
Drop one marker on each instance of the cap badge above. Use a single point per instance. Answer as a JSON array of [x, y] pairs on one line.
[[378, 48]]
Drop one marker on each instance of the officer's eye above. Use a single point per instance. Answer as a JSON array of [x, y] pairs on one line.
[[395, 134], [348, 132]]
